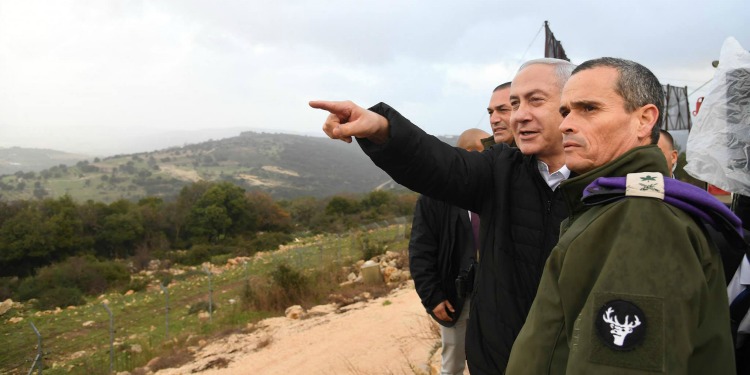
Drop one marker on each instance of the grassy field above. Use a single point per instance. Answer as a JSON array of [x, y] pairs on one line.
[[77, 340]]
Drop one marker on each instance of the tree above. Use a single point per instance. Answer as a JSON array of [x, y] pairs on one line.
[[120, 230], [340, 206], [120, 233], [65, 227], [179, 216], [271, 217], [225, 209], [24, 244]]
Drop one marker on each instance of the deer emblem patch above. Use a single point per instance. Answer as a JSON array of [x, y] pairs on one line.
[[621, 325]]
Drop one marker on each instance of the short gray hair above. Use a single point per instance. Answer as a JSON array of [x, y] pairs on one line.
[[637, 86], [563, 69]]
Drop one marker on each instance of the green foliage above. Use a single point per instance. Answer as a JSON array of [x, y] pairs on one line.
[[84, 274], [220, 259], [221, 210], [372, 247], [138, 284], [164, 277], [340, 206], [291, 281], [249, 296], [59, 297], [140, 318], [198, 254], [40, 232], [268, 241], [7, 286], [201, 306], [208, 218], [119, 234]]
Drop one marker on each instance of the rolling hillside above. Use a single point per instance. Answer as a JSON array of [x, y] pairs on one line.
[[285, 166]]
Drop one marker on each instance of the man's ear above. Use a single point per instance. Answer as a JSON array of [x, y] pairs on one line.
[[647, 116]]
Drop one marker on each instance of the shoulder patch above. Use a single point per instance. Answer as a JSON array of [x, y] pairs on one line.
[[645, 184], [627, 331], [621, 325]]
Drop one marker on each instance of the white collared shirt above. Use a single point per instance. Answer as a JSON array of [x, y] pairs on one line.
[[554, 179], [740, 281]]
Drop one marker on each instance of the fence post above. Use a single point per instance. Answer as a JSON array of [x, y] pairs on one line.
[[210, 295], [166, 314], [111, 337], [39, 352], [339, 244]]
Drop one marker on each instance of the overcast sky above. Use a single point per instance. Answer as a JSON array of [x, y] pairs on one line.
[[96, 76]]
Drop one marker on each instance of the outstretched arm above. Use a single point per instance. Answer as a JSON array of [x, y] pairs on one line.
[[347, 120]]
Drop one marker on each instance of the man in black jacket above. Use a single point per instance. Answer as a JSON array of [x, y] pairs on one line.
[[442, 248], [512, 189]]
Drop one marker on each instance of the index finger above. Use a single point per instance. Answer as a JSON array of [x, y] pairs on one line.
[[336, 107]]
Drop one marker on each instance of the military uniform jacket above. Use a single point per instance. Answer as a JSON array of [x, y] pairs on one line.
[[632, 287], [520, 221], [441, 245]]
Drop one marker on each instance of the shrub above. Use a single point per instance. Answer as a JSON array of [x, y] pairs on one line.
[[138, 284], [85, 274], [372, 248], [220, 259], [283, 287], [199, 254], [268, 241], [289, 279], [249, 296], [59, 297], [201, 306], [164, 277], [7, 286]]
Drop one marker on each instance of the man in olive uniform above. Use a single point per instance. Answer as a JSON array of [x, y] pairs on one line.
[[633, 285]]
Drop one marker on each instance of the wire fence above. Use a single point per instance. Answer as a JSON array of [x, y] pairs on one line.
[[118, 332]]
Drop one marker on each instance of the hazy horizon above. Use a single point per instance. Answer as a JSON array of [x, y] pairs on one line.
[[120, 76]]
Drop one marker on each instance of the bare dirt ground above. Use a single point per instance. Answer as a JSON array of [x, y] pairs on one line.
[[387, 335]]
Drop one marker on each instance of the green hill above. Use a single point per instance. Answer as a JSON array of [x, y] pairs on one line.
[[285, 166], [15, 159]]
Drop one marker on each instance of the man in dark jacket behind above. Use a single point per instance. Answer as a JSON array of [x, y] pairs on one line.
[[442, 248], [499, 112], [512, 189]]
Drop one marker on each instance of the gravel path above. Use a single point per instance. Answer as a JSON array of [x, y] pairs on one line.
[[387, 335]]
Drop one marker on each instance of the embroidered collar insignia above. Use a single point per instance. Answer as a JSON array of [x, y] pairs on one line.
[[645, 184]]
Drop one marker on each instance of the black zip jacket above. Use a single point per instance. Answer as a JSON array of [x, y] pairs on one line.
[[520, 223]]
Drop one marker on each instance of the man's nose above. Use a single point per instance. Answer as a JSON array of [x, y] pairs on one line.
[[566, 126]]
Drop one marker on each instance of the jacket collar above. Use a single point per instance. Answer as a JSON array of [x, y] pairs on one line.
[[640, 159]]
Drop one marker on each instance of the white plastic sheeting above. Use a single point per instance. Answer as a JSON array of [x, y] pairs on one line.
[[718, 147]]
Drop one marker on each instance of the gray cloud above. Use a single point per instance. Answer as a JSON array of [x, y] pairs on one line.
[[92, 75]]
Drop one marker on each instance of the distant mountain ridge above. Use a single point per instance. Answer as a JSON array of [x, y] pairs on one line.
[[14, 159], [284, 165]]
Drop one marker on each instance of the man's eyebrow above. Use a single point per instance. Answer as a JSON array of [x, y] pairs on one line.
[[529, 94], [584, 102]]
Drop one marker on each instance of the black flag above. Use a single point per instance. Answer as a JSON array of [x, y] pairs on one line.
[[552, 46]]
